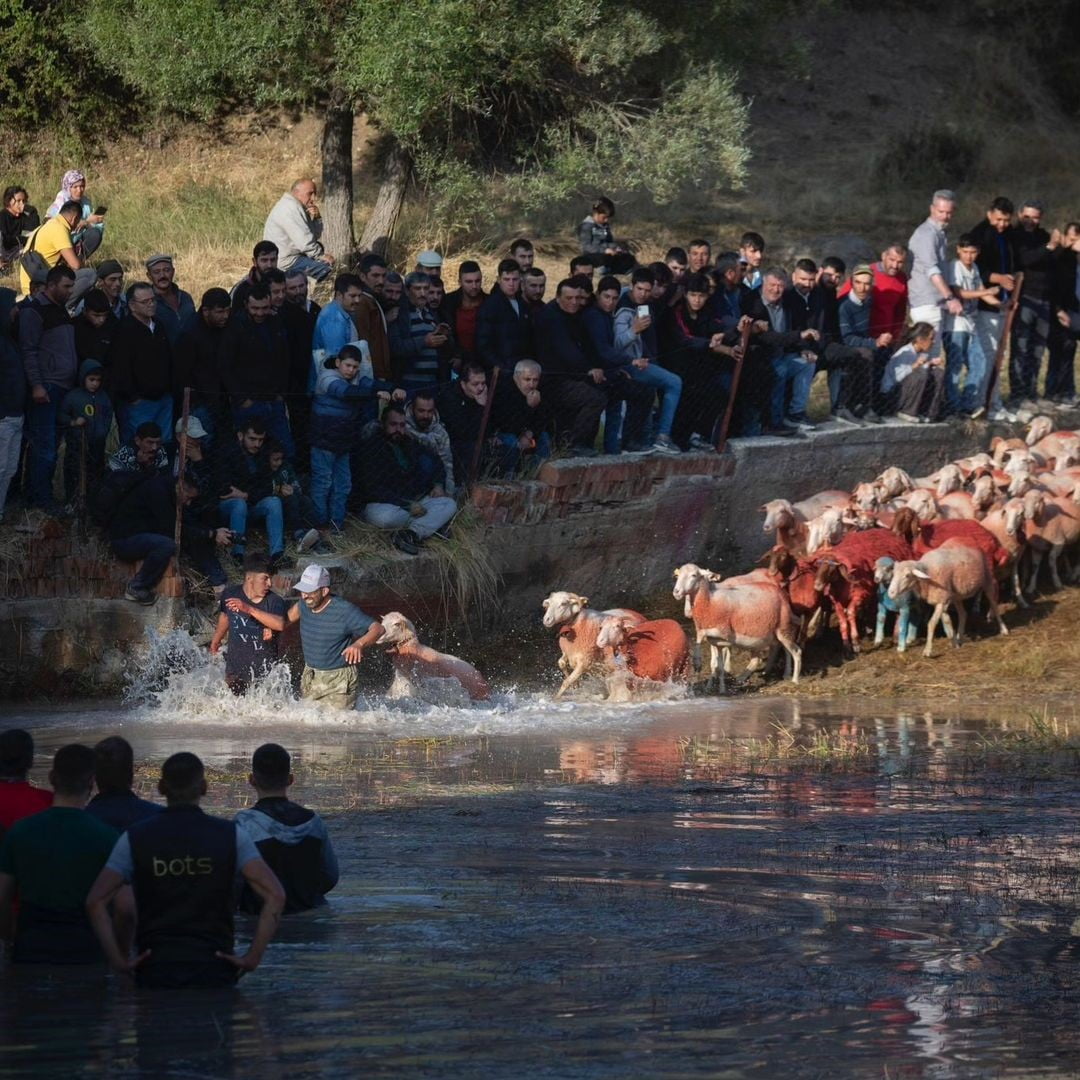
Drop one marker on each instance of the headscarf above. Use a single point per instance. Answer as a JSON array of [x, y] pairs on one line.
[[72, 176]]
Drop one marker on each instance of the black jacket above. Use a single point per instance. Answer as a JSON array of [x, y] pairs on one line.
[[140, 362], [299, 326], [997, 255], [512, 415], [255, 358], [772, 342], [246, 472], [386, 479], [1036, 260], [503, 337], [92, 343], [147, 505], [198, 361], [462, 417], [1064, 296], [564, 348]]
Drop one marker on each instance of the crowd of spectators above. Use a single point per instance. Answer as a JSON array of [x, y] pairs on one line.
[[386, 401]]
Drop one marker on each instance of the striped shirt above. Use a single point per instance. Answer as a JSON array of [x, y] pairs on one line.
[[323, 636]]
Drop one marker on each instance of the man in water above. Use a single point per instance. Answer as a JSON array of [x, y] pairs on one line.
[[114, 770], [252, 616], [333, 634], [18, 797], [183, 866]]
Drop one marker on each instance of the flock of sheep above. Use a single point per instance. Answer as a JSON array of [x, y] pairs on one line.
[[911, 544]]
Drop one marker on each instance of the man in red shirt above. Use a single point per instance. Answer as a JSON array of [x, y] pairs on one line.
[[18, 797], [462, 306], [889, 299]]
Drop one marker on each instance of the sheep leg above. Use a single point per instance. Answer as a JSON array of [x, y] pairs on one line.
[[961, 620], [794, 653], [718, 672], [564, 665], [1055, 554], [911, 623], [815, 623], [1018, 593], [995, 611], [728, 669], [931, 629], [574, 677], [879, 628], [853, 629], [1036, 562]]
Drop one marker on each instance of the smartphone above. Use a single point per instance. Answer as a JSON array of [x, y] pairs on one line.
[[102, 210], [643, 311]]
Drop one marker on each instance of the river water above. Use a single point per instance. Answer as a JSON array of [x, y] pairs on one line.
[[739, 887]]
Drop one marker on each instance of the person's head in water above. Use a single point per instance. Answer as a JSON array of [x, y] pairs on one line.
[[271, 770], [16, 753], [183, 779], [256, 577], [72, 775], [114, 766]]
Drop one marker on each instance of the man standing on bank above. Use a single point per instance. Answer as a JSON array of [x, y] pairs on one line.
[[333, 635]]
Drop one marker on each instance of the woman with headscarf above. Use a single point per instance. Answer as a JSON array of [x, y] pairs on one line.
[[88, 235]]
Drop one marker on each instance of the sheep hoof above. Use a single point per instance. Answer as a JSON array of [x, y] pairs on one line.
[[1005, 630]]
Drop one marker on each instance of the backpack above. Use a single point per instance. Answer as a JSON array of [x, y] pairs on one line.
[[31, 261]]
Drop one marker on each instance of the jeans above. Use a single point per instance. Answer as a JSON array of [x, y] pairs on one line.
[[159, 411], [274, 416], [1029, 336], [43, 442], [791, 370], [669, 385], [511, 456], [988, 328], [236, 512], [1060, 374], [963, 352], [314, 268], [438, 510], [300, 513], [11, 429], [331, 482], [155, 551]]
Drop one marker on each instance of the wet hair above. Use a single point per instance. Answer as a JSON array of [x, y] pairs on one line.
[[97, 301], [148, 430], [696, 283], [259, 291], [966, 240], [1003, 205], [271, 765], [369, 262], [63, 272], [344, 282], [256, 562], [752, 240], [16, 753], [469, 266], [264, 247], [508, 266], [807, 266], [214, 300], [11, 192], [609, 282], [114, 765], [834, 262], [604, 205], [71, 206], [521, 244], [182, 777], [274, 276], [677, 254], [642, 273], [73, 770]]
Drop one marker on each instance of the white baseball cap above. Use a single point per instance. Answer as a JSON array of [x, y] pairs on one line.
[[195, 430], [314, 577], [430, 259]]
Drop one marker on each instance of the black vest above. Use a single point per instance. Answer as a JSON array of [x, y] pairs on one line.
[[185, 868]]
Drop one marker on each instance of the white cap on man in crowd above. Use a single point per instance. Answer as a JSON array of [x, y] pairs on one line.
[[314, 577], [195, 430], [155, 259], [429, 260]]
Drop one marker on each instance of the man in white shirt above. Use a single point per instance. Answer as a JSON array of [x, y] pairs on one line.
[[294, 225]]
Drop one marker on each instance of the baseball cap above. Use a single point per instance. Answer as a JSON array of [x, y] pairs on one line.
[[862, 270], [195, 430], [314, 577], [155, 259], [431, 259]]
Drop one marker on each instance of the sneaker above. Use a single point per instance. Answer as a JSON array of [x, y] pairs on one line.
[[978, 414], [783, 433], [700, 444], [664, 445], [907, 418], [802, 424], [401, 540], [871, 417], [321, 547], [281, 561], [846, 416], [583, 451], [305, 541], [1044, 405], [138, 595], [638, 448], [1003, 416]]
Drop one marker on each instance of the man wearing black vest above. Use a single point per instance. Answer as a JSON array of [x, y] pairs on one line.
[[183, 865]]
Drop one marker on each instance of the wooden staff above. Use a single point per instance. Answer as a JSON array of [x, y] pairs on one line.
[[181, 464], [483, 427], [725, 424], [82, 483], [1012, 305]]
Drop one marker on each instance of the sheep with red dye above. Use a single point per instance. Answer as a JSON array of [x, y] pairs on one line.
[[655, 651]]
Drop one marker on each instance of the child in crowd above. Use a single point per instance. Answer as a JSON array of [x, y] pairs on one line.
[[85, 417], [914, 378], [302, 519], [292, 839], [962, 349]]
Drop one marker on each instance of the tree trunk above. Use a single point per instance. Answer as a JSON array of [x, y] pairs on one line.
[[379, 230], [336, 204]]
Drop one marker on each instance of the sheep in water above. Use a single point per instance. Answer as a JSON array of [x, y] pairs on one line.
[[423, 672], [653, 652]]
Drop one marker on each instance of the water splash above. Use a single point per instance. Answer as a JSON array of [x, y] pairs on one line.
[[179, 682]]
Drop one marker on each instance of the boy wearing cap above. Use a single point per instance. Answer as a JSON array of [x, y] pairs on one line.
[[333, 635]]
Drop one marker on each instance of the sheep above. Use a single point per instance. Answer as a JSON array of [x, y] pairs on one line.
[[1051, 525], [823, 500], [947, 575], [420, 670], [865, 497], [646, 652], [893, 482], [957, 504], [1001, 448], [790, 528], [1044, 440], [754, 617], [949, 478], [796, 577], [1006, 525], [906, 629], [984, 494], [827, 529], [924, 504], [578, 628]]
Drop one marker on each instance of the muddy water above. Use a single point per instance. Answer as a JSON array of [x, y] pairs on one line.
[[532, 890]]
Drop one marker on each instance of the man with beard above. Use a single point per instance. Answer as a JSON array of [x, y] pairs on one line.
[[462, 306], [424, 425]]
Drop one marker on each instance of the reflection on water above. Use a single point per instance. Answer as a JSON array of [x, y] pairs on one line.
[[761, 888]]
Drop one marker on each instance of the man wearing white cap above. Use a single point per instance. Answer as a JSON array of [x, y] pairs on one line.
[[333, 635], [429, 262]]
